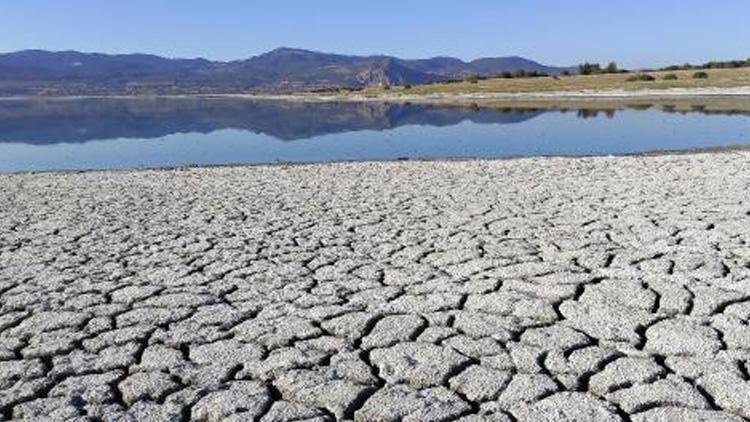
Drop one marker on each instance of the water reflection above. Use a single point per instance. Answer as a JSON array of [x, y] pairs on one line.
[[45, 122], [134, 133], [590, 114], [40, 121]]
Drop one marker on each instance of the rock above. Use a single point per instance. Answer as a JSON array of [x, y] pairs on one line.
[[14, 370], [476, 348], [554, 337], [57, 408], [512, 303], [349, 326], [225, 352], [609, 320], [478, 383], [23, 390], [669, 414], [680, 337], [422, 304], [493, 417], [671, 391], [729, 389], [315, 389], [393, 329], [419, 364], [79, 362], [153, 386], [571, 407], [161, 358], [623, 373], [402, 402], [247, 398], [94, 388], [274, 333], [282, 411], [524, 389], [47, 321], [280, 361]]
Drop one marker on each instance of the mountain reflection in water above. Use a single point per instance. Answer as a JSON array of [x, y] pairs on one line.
[[73, 121], [125, 133]]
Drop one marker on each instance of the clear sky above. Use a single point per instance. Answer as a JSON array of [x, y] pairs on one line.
[[634, 33]]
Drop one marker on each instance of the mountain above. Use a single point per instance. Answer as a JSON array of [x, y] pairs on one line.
[[455, 68], [490, 65], [39, 72]]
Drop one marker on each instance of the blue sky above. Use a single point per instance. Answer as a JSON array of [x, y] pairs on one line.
[[634, 33]]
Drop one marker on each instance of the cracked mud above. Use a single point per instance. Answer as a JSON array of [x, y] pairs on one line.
[[594, 289]]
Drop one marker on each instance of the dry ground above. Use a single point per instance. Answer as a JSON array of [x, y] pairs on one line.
[[593, 289]]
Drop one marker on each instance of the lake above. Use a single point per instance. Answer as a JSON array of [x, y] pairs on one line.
[[144, 133]]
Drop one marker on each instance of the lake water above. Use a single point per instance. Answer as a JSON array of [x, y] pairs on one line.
[[130, 133]]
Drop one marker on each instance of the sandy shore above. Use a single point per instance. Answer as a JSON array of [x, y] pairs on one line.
[[598, 289], [458, 97], [742, 93]]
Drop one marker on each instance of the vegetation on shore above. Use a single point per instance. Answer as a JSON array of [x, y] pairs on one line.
[[587, 76], [731, 64], [596, 69], [661, 79]]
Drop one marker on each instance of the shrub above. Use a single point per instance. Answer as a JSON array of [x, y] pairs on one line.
[[565, 73], [589, 68], [641, 77], [407, 86], [670, 77], [700, 75], [612, 68]]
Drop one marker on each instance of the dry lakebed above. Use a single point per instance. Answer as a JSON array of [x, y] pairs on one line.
[[544, 289]]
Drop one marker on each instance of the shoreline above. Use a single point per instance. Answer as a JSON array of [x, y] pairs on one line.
[[722, 150], [651, 94]]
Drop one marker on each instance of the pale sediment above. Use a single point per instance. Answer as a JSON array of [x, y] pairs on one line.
[[534, 289], [705, 93]]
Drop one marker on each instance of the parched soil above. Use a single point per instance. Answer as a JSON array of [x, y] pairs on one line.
[[552, 289]]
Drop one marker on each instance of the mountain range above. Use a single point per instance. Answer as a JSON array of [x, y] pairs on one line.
[[39, 72]]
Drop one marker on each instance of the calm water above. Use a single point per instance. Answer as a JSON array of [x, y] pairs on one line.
[[116, 134]]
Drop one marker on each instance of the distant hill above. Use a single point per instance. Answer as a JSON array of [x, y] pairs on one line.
[[39, 72]]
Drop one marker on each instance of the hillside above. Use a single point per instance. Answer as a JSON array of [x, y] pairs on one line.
[[39, 72]]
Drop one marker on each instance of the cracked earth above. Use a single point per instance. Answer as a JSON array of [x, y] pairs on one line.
[[594, 289]]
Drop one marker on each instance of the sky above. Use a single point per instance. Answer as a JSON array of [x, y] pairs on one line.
[[634, 33]]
